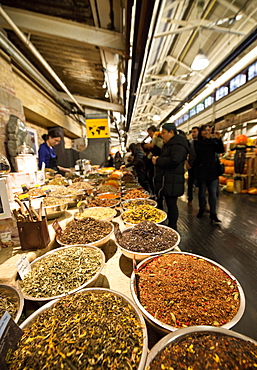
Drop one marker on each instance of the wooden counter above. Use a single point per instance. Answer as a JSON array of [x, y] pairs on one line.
[[115, 275]]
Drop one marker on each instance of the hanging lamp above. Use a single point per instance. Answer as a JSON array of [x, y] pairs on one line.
[[200, 61]]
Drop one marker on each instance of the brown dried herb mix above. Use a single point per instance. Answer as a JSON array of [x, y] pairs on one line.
[[206, 351], [85, 231], [183, 290]]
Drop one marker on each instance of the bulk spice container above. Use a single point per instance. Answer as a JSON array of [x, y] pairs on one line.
[[95, 328], [99, 213], [180, 289], [143, 213], [62, 271], [11, 300], [87, 231], [146, 239], [201, 348]]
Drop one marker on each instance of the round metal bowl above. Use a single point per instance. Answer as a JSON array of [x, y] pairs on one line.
[[183, 333], [32, 318], [147, 201], [88, 283], [15, 296], [106, 195], [141, 256], [123, 199], [115, 204], [165, 328], [91, 211], [97, 243], [72, 200], [55, 211], [130, 224]]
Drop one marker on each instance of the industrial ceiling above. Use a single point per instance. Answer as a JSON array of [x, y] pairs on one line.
[[129, 58]]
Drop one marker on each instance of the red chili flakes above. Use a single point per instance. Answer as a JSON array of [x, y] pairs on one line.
[[187, 290]]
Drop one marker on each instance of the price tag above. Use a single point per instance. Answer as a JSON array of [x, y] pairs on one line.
[[57, 228], [23, 266], [10, 334], [23, 196]]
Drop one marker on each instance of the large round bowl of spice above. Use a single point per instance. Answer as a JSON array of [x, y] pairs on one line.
[[62, 271], [131, 203], [203, 347], [180, 289], [146, 239], [87, 231], [54, 207], [143, 213], [95, 328], [11, 300], [99, 213]]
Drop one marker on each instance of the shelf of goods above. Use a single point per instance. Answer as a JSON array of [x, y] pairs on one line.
[[237, 182]]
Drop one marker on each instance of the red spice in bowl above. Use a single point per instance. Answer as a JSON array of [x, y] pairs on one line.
[[179, 289]]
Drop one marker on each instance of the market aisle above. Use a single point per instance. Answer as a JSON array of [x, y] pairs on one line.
[[233, 244]]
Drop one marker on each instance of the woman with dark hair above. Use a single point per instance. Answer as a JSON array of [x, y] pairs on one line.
[[169, 178], [46, 152], [139, 165], [206, 168]]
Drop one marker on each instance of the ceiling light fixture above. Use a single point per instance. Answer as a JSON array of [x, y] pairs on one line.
[[200, 61], [156, 117]]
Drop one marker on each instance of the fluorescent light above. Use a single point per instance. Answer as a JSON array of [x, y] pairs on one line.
[[200, 62]]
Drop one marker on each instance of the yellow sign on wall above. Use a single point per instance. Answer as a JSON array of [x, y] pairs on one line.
[[97, 128]]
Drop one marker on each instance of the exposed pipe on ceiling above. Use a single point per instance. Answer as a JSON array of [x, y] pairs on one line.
[[143, 18], [36, 53], [28, 68], [242, 47]]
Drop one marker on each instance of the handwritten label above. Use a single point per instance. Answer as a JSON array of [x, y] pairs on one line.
[[23, 266], [57, 228]]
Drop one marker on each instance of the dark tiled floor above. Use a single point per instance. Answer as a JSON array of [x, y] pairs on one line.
[[232, 243]]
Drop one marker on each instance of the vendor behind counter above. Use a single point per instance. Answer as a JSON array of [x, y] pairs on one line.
[[46, 152]]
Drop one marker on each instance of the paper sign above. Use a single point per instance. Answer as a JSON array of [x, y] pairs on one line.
[[23, 266], [57, 228], [10, 334]]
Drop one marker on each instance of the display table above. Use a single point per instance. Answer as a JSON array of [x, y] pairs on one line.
[[115, 275]]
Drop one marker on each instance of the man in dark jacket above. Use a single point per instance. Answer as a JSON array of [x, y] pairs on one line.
[[169, 178]]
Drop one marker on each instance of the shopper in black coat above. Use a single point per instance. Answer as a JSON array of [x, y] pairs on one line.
[[169, 176], [138, 164], [207, 166]]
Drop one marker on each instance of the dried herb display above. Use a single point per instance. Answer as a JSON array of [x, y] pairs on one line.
[[61, 272], [128, 177], [128, 204], [86, 330], [147, 237], [206, 351], [52, 201], [183, 290], [133, 194], [62, 192], [97, 202], [107, 189], [82, 185], [99, 213], [85, 231], [8, 303], [143, 213]]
